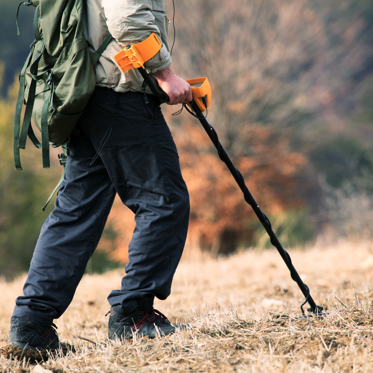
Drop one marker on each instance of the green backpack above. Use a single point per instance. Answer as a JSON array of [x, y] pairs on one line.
[[57, 78]]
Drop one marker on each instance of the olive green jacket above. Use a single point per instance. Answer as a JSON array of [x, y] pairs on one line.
[[129, 22]]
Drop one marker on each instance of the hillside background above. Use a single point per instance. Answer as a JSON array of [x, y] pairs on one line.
[[292, 84]]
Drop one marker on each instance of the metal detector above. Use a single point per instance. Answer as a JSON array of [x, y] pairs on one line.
[[130, 57]]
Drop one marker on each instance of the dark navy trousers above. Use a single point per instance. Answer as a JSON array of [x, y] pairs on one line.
[[125, 147]]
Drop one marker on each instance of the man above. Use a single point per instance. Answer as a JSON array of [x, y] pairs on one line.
[[124, 146]]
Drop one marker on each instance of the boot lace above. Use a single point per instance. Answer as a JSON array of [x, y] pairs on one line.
[[46, 334], [152, 316]]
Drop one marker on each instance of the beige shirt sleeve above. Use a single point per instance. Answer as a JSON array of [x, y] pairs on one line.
[[132, 21]]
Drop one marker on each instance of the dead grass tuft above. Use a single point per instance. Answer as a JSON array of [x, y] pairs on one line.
[[29, 356]]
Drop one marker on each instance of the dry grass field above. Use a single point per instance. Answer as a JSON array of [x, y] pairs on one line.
[[243, 315]]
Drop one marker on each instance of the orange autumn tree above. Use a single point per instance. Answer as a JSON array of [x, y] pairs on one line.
[[220, 216]]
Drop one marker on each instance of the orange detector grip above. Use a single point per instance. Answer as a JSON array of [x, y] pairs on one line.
[[201, 92], [134, 56]]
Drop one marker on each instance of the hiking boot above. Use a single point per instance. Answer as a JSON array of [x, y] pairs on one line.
[[149, 323], [31, 336]]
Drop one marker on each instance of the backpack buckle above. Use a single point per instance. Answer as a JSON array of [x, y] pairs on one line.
[[62, 157]]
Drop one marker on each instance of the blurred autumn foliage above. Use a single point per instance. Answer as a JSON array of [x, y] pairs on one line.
[[219, 215], [292, 91]]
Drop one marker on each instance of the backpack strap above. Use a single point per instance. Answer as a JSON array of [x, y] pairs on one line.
[[45, 130], [97, 54], [36, 24], [26, 126], [18, 110], [27, 3], [29, 105]]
